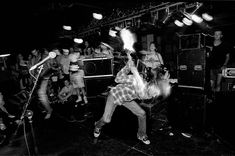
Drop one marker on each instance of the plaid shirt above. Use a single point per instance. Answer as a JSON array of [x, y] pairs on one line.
[[125, 90]]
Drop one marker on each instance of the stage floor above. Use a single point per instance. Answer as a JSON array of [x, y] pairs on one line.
[[60, 136]]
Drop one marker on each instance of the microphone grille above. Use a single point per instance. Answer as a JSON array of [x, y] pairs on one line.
[[52, 54]]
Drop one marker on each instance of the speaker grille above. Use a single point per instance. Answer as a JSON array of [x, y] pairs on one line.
[[98, 67]]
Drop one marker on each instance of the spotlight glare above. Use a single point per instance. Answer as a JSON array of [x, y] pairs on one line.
[[178, 23], [187, 21], [66, 27], [78, 40], [4, 55], [196, 18], [97, 16], [207, 17]]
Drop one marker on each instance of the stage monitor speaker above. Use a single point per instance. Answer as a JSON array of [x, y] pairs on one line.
[[96, 86], [191, 68], [223, 117], [98, 67], [192, 107]]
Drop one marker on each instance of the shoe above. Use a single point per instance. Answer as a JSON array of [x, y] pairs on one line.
[[79, 99], [144, 139], [97, 132]]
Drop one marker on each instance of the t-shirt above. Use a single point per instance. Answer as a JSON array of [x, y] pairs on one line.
[[153, 60], [218, 55]]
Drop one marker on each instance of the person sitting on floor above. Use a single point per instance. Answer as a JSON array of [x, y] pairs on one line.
[[68, 96]]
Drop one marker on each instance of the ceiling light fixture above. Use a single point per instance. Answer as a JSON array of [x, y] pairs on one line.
[[66, 27], [4, 55], [97, 16], [78, 40]]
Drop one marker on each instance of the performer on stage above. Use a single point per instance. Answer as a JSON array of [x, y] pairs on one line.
[[130, 87]]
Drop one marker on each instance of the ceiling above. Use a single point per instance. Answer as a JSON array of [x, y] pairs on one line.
[[27, 23]]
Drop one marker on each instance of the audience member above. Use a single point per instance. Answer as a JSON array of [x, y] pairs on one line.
[[77, 75]]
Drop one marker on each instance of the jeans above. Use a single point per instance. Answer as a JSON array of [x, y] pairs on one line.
[[132, 106]]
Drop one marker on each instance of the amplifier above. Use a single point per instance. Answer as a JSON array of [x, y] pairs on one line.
[[98, 67], [191, 71], [228, 73]]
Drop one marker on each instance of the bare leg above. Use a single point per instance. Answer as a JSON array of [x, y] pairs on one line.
[[78, 94], [218, 82], [44, 98]]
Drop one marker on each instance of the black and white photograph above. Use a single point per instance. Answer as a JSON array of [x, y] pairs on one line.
[[117, 78]]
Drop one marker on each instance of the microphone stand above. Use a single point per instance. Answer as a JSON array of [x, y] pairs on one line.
[[29, 113]]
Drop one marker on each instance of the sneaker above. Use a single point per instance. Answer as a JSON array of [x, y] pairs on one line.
[[97, 132], [79, 99], [144, 139]]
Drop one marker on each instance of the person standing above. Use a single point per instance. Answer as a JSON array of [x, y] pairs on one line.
[[218, 60], [77, 75]]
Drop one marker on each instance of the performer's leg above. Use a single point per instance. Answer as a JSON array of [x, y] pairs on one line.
[[106, 118], [140, 113]]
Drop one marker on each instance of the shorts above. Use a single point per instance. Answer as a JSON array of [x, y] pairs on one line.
[[77, 79]]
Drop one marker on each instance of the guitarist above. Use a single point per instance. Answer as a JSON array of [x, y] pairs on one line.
[[130, 87]]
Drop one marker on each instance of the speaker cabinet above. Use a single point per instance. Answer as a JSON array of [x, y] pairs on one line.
[[191, 68], [188, 109], [96, 86], [223, 117], [98, 67]]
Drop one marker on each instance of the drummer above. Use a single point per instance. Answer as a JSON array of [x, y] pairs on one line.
[[152, 58]]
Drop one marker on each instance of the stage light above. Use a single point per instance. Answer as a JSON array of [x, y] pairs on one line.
[[196, 18], [97, 16], [187, 21], [178, 23], [4, 55], [66, 27], [207, 17], [78, 40]]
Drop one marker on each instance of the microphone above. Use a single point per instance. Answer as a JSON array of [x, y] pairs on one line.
[[50, 55]]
